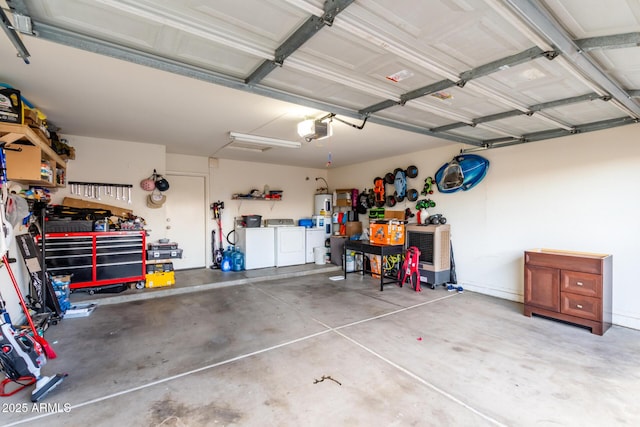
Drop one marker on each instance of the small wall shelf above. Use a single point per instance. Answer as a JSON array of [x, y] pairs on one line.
[[25, 153]]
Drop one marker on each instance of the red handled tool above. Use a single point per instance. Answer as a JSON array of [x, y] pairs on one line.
[[48, 351]]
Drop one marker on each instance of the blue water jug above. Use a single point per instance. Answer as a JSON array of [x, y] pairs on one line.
[[226, 263], [227, 259], [238, 260]]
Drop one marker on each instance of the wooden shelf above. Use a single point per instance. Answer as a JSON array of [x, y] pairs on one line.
[[14, 135], [260, 199]]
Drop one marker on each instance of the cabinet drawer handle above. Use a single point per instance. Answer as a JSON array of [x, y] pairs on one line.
[[579, 306], [579, 283]]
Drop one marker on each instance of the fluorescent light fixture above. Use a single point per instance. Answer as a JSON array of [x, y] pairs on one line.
[[315, 129], [256, 141]]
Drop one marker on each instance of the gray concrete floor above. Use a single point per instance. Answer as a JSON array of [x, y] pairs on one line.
[[245, 351]]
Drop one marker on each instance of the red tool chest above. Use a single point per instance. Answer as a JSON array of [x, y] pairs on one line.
[[97, 259]]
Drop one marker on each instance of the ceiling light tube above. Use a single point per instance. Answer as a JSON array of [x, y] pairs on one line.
[[264, 141]]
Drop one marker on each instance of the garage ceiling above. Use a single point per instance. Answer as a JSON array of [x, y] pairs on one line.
[[417, 74]]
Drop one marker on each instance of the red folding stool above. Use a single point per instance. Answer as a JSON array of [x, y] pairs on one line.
[[409, 269]]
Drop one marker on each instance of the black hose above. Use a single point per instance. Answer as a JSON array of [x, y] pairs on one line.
[[229, 241]]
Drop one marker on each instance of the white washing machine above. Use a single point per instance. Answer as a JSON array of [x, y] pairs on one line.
[[315, 238], [258, 246], [289, 242]]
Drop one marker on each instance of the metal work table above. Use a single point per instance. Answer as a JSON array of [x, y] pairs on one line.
[[365, 247]]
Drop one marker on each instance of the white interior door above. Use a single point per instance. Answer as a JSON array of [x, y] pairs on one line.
[[186, 209]]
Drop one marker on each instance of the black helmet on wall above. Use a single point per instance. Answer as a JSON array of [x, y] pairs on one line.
[[162, 184]]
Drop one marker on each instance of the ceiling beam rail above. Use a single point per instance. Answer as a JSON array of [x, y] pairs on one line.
[[18, 6], [533, 108], [11, 33], [503, 63], [557, 133], [614, 41], [532, 13], [481, 71], [91, 44], [299, 37]]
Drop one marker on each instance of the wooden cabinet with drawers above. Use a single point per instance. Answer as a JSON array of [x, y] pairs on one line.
[[575, 287]]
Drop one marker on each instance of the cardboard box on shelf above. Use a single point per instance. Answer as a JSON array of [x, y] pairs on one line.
[[25, 164], [343, 197], [394, 215], [386, 233], [353, 227]]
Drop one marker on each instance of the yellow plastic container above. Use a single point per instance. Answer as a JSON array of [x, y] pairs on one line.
[[160, 278]]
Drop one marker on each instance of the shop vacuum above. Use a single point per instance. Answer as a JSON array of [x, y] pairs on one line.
[[21, 358], [24, 353]]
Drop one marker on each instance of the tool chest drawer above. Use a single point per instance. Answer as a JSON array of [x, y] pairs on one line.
[[97, 259]]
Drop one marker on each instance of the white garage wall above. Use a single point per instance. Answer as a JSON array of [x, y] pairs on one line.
[[575, 193], [235, 177], [119, 162]]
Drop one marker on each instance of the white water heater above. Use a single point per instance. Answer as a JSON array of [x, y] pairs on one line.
[[323, 202], [323, 205]]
